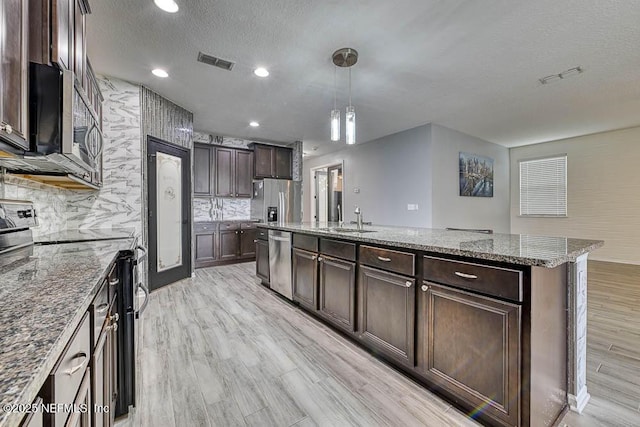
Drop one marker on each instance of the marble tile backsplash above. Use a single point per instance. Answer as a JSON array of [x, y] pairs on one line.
[[207, 209]]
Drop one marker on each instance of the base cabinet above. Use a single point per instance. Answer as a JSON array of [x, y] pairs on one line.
[[262, 260], [338, 292], [229, 243], [247, 243], [471, 350], [386, 308], [305, 278]]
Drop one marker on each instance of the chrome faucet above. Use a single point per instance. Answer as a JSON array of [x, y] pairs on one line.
[[358, 218]]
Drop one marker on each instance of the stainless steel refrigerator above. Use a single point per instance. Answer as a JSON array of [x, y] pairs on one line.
[[276, 200]]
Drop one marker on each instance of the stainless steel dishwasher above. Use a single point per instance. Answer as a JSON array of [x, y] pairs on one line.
[[280, 263]]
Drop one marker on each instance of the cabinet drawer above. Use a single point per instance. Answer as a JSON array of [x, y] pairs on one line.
[[263, 234], [499, 282], [113, 281], [200, 227], [67, 376], [248, 225], [229, 226], [304, 241], [99, 310], [338, 249], [398, 262]]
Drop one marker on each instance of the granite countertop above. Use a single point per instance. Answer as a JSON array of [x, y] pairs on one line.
[[42, 300], [81, 235], [541, 251]]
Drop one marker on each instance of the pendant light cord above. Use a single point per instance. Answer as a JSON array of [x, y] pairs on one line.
[[335, 90], [349, 86]]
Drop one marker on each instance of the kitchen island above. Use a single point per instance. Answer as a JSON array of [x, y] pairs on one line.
[[479, 318]]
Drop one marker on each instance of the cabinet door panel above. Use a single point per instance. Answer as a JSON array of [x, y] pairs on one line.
[[262, 260], [244, 173], [471, 349], [338, 292], [229, 244], [283, 160], [205, 248], [62, 29], [305, 278], [387, 313], [79, 54], [224, 172], [100, 383], [13, 71], [247, 243], [202, 170], [263, 161]]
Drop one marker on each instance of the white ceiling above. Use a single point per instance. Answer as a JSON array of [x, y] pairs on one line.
[[469, 65]]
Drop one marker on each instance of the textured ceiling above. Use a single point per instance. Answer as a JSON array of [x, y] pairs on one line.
[[469, 65]]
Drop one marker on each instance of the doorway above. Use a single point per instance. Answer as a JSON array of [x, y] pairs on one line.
[[169, 212], [327, 198]]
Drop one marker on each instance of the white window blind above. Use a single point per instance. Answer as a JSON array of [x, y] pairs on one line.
[[543, 186]]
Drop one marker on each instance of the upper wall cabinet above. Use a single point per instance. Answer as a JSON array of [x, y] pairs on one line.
[[222, 171], [233, 172], [272, 162], [14, 21], [58, 35]]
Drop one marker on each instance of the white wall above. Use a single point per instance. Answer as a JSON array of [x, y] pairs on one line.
[[603, 192], [390, 172], [449, 208]]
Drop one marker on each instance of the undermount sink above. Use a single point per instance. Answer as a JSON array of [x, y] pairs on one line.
[[347, 230]]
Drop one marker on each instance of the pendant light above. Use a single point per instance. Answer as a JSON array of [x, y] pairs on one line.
[[335, 113], [346, 58]]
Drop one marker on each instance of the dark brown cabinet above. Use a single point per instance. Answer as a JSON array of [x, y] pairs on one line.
[[272, 162], [337, 296], [386, 313], [62, 32], [471, 349], [79, 42], [229, 244], [206, 248], [247, 242], [202, 170], [262, 260], [233, 172], [13, 73], [305, 278]]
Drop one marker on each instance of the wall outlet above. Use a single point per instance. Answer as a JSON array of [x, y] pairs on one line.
[[412, 207], [356, 190]]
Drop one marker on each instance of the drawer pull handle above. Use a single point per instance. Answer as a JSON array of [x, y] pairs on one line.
[[255, 241], [102, 308], [465, 275], [115, 317], [82, 355], [313, 257], [381, 258], [408, 284], [424, 288], [114, 282], [319, 259]]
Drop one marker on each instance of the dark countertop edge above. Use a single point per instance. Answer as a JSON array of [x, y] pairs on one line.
[[528, 261], [30, 392]]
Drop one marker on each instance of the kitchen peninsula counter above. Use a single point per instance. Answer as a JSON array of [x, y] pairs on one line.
[[42, 301], [496, 321]]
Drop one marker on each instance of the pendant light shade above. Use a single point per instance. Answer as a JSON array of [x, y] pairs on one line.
[[346, 58], [335, 125], [350, 124]]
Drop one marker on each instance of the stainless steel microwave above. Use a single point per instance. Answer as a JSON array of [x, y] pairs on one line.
[[65, 134]]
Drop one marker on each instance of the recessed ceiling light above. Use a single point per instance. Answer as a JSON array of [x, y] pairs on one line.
[[254, 124], [261, 72], [159, 72], [167, 5]]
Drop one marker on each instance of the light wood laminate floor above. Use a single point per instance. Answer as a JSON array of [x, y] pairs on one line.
[[221, 350]]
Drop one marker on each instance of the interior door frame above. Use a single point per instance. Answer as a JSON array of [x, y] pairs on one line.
[[157, 280], [312, 189]]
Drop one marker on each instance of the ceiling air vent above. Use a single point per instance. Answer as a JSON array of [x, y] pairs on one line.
[[216, 62]]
